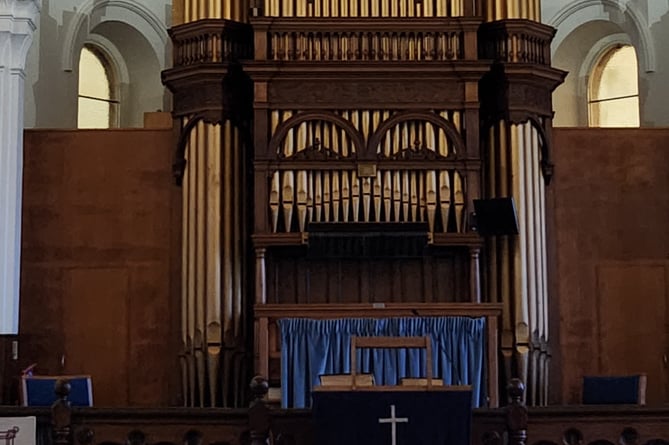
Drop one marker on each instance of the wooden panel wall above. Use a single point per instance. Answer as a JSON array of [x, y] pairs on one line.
[[611, 197], [293, 277], [632, 321], [97, 244]]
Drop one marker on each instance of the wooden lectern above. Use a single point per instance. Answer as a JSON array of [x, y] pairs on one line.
[[351, 382]]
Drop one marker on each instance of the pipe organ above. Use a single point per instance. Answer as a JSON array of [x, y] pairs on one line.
[[309, 119], [410, 193]]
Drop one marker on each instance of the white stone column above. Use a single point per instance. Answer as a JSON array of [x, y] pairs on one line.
[[18, 21]]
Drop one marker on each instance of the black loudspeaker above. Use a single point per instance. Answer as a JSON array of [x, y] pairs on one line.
[[496, 216]]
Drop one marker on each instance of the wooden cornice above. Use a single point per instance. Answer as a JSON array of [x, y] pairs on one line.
[[376, 310], [372, 24], [378, 70]]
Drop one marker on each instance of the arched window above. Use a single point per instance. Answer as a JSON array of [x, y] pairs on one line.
[[98, 105], [614, 89]]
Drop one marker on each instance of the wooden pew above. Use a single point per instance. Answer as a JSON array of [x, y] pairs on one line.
[[267, 338], [513, 425]]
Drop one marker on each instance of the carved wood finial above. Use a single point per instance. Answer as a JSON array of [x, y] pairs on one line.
[[61, 413], [259, 416], [516, 413]]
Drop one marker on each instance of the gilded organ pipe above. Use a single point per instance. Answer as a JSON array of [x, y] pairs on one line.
[[213, 261], [445, 198], [193, 10], [512, 9], [336, 196], [513, 169], [326, 196], [359, 8], [405, 196], [414, 197], [388, 196]]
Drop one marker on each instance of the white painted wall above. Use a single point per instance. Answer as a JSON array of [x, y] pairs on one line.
[[134, 32], [586, 28], [18, 19]]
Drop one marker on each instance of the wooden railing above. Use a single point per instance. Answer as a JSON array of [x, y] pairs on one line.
[[262, 424], [365, 39], [516, 41], [211, 41], [362, 45]]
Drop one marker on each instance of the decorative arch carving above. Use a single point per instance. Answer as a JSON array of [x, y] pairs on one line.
[[450, 130], [294, 121], [560, 21]]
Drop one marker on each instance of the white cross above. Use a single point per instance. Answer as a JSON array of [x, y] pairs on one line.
[[393, 421]]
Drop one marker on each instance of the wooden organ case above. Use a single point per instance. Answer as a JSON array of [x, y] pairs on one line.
[[374, 126]]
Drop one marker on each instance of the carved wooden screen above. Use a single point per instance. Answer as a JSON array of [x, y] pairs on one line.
[[368, 169]]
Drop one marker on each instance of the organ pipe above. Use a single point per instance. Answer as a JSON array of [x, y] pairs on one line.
[[297, 197], [512, 9], [213, 266], [194, 10], [513, 169], [364, 8]]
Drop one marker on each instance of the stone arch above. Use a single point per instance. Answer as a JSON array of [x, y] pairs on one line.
[[110, 49], [587, 29], [136, 41], [581, 12], [130, 12]]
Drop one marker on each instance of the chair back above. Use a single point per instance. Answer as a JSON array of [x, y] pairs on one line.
[[39, 390], [614, 390], [393, 343]]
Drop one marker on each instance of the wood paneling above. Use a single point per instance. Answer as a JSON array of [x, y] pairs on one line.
[[632, 321], [95, 325], [97, 247], [294, 278], [610, 206]]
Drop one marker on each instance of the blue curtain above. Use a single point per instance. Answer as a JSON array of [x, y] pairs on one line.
[[310, 348]]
